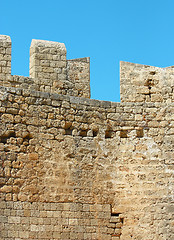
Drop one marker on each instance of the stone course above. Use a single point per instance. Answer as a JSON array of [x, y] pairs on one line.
[[77, 168], [33, 220]]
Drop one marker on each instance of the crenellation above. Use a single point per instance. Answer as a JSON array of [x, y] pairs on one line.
[[5, 59], [48, 64], [72, 167], [142, 83], [78, 71], [53, 73]]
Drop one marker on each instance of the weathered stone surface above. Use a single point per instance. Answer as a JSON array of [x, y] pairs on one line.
[[77, 168]]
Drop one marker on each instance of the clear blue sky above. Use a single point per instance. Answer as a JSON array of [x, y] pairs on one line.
[[139, 31]]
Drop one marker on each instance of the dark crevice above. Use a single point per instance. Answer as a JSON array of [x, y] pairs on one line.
[[122, 220], [149, 83], [68, 128], [123, 134], [95, 132], [140, 133], [28, 137], [83, 133], [118, 221], [152, 73], [115, 214], [68, 131], [4, 138], [108, 134]]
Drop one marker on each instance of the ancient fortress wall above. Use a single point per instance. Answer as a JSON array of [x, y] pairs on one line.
[[76, 168]]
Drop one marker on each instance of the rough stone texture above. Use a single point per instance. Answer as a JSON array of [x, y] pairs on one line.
[[53, 73], [142, 83], [77, 168], [5, 59], [58, 221], [79, 75]]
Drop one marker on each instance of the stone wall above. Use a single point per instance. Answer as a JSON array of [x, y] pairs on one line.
[[5, 58], [50, 71], [142, 83], [78, 71], [27, 220], [77, 168], [53, 73]]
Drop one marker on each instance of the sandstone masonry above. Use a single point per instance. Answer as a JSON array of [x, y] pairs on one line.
[[76, 168]]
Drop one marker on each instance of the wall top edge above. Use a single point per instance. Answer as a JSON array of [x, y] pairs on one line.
[[78, 100], [85, 59], [44, 43], [5, 38], [58, 45], [122, 63]]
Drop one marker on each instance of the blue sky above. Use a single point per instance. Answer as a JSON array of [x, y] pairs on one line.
[[139, 31]]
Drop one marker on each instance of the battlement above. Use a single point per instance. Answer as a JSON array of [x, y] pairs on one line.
[[77, 168], [5, 58], [142, 83], [51, 72]]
